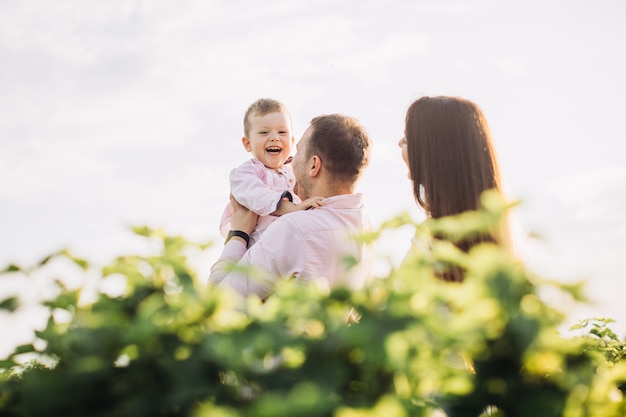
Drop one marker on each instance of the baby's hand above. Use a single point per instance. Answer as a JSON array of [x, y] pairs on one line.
[[311, 202], [287, 206]]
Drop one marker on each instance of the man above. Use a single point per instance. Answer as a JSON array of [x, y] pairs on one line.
[[311, 244]]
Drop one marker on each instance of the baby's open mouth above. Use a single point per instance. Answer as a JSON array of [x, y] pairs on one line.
[[273, 150]]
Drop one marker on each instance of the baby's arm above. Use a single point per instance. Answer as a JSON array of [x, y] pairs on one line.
[[285, 206], [249, 184]]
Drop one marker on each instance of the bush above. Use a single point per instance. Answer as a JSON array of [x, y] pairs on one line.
[[406, 345]]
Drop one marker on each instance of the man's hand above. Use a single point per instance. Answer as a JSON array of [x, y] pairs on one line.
[[241, 217]]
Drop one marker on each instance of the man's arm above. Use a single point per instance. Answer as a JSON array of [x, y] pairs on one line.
[[242, 220], [255, 270]]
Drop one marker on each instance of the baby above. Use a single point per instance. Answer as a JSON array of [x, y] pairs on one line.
[[264, 183]]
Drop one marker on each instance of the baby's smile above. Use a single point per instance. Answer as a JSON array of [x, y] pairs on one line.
[[273, 150]]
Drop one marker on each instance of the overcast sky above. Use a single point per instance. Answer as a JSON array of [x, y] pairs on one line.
[[129, 112]]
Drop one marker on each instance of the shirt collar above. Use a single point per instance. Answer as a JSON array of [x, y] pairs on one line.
[[344, 201]]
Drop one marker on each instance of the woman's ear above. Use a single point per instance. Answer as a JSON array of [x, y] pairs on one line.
[[246, 144]]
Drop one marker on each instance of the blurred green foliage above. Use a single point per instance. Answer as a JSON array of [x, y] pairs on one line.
[[407, 344]]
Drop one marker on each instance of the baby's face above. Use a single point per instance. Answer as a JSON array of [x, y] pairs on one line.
[[270, 138]]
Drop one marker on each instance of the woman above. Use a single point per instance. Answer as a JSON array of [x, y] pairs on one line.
[[448, 149]]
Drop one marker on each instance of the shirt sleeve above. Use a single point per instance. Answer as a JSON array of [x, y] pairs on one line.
[[250, 187], [256, 270]]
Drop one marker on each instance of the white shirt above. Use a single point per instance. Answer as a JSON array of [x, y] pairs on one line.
[[305, 245]]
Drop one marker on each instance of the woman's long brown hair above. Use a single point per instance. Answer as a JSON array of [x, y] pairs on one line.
[[451, 161]]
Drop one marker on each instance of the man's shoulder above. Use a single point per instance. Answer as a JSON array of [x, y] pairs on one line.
[[325, 218], [295, 219]]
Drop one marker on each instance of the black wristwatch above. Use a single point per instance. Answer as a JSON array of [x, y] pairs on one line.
[[240, 234]]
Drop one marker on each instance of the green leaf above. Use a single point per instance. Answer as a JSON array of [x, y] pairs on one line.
[[11, 268], [9, 304], [82, 263], [142, 231], [48, 258]]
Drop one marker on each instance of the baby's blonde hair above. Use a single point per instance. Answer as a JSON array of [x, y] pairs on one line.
[[262, 107]]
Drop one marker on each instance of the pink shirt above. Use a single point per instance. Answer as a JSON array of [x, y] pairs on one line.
[[259, 189], [305, 245]]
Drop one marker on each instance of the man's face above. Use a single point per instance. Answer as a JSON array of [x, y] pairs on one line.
[[299, 164]]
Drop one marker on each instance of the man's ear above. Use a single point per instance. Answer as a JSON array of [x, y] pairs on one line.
[[316, 166], [246, 144]]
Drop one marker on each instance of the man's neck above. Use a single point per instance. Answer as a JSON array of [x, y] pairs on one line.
[[330, 190]]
